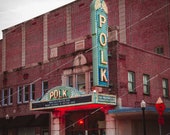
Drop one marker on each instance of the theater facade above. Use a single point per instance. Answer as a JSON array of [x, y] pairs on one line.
[[91, 67], [73, 111]]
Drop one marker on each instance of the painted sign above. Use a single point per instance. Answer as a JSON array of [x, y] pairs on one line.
[[99, 21], [106, 99]]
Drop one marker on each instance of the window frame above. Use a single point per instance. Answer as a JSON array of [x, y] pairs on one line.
[[146, 84], [165, 90], [84, 69], [82, 83], [132, 81], [5, 98], [10, 96], [44, 90], [20, 94], [32, 91], [26, 94], [159, 50], [69, 79]]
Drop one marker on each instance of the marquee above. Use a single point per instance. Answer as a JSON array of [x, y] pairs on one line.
[[68, 98]]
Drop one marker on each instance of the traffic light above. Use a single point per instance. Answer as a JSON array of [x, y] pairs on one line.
[[81, 122]]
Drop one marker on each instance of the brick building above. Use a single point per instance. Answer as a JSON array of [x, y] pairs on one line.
[[55, 50]]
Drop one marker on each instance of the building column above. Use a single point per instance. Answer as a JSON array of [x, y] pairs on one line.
[[57, 123], [68, 14], [45, 38], [4, 52], [23, 45], [122, 21], [110, 125]]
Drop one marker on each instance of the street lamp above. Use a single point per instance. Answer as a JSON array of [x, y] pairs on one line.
[[143, 106]]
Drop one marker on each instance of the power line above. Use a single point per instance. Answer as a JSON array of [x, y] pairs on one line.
[[38, 79], [145, 17], [142, 19], [155, 76]]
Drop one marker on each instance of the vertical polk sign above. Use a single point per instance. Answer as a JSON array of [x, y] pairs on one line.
[[99, 28]]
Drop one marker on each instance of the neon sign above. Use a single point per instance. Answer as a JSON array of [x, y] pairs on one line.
[[99, 20]]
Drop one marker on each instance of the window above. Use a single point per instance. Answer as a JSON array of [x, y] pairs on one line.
[[80, 79], [165, 87], [159, 50], [10, 98], [5, 97], [146, 84], [20, 89], [44, 87], [26, 93], [131, 81], [91, 79], [70, 81], [32, 92]]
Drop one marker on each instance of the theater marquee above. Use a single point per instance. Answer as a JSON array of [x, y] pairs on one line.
[[99, 26], [68, 98]]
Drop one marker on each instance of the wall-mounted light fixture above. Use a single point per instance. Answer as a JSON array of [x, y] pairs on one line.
[[7, 117]]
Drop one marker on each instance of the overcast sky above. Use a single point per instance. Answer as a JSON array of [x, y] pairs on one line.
[[13, 12]]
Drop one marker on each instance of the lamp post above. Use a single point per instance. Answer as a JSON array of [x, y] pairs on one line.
[[143, 106]]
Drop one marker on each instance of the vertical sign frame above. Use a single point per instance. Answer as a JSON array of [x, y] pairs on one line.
[[99, 29]]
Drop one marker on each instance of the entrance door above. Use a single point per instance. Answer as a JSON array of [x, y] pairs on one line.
[[85, 123]]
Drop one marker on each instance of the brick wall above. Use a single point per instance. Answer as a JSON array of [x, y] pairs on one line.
[[0, 56], [80, 18], [13, 47], [113, 12], [142, 62], [147, 23], [57, 26], [73, 21], [34, 40]]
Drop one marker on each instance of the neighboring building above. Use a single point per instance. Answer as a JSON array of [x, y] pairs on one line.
[[73, 71]]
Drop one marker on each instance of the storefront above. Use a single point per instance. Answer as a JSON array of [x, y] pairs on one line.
[[75, 113], [25, 125]]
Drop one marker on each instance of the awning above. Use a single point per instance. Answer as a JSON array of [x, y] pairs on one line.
[[125, 110]]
